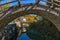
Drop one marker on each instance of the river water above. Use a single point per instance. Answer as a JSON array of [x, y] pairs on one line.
[[24, 36]]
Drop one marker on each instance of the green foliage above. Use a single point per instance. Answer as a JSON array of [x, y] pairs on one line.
[[43, 30]]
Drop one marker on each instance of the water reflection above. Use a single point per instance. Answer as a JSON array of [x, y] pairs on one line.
[[24, 36]]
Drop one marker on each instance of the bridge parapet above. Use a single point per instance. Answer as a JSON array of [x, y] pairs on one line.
[[53, 18]]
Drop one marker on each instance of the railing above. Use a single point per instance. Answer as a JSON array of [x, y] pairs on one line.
[[37, 3]]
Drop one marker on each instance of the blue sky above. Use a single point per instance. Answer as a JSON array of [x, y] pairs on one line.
[[22, 2]]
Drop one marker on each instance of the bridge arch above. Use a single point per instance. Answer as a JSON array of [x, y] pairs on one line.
[[11, 17]]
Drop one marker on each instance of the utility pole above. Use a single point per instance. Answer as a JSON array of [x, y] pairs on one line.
[[19, 3]]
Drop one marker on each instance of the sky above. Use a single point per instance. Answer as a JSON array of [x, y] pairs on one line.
[[22, 2]]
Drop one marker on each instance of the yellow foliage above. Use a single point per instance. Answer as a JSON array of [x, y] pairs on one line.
[[30, 18], [16, 19], [4, 7]]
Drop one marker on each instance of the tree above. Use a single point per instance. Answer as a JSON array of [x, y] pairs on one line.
[[6, 6], [43, 30]]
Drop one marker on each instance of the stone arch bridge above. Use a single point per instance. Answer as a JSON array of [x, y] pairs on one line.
[[52, 17]]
